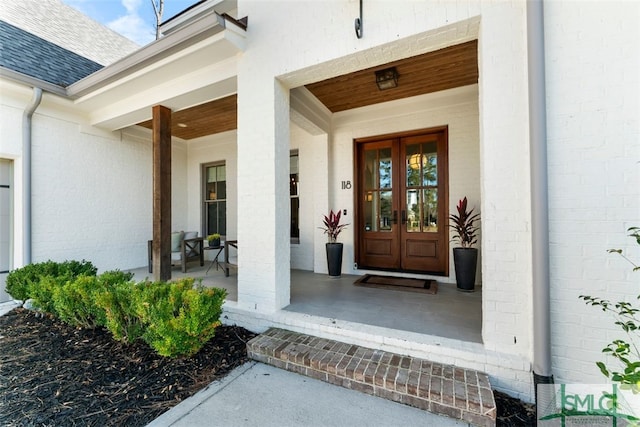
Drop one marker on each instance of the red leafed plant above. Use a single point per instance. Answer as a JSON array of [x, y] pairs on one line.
[[463, 224], [332, 226]]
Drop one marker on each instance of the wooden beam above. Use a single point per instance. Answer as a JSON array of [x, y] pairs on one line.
[[161, 193]]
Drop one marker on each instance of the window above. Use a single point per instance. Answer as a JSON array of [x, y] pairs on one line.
[[293, 193], [215, 199]]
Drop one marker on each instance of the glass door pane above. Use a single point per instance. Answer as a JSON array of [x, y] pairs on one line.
[[421, 187], [378, 192]]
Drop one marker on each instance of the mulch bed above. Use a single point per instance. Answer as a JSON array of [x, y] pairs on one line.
[[513, 412], [52, 374]]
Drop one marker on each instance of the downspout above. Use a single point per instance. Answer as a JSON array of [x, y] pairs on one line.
[[542, 373], [26, 173]]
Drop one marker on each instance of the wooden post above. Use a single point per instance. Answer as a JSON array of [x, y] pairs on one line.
[[161, 193]]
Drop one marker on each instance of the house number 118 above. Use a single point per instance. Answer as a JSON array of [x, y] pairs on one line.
[[346, 185]]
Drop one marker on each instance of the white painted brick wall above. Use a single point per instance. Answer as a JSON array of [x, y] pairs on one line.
[[498, 181], [593, 96], [91, 196], [91, 189]]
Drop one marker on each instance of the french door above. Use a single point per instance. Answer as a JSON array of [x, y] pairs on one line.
[[402, 202]]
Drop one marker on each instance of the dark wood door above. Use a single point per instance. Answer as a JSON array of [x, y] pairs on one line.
[[402, 202]]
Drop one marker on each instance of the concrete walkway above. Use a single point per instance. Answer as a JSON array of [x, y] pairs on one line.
[[256, 394]]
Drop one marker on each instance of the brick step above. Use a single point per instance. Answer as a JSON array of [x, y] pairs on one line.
[[463, 394]]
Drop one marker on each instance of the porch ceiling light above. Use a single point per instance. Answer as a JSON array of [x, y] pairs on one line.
[[415, 161], [387, 78]]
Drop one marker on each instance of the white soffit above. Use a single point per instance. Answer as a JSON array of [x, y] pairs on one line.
[[178, 71]]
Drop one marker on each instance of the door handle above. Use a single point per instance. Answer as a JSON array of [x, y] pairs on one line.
[[395, 217], [404, 216]]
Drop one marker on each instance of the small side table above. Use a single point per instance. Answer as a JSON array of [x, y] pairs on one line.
[[215, 259]]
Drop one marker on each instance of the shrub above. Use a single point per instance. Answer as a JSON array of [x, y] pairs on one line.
[[119, 301], [22, 283], [627, 318], [112, 277], [75, 301], [174, 318], [180, 319], [43, 291]]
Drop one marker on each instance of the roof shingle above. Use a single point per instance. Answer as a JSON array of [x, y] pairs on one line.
[[28, 54]]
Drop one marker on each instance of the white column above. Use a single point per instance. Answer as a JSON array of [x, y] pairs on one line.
[[263, 193], [320, 200]]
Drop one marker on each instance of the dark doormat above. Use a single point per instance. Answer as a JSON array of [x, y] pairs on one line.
[[425, 286]]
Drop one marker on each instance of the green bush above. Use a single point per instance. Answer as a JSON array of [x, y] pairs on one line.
[[119, 301], [75, 301], [111, 277], [43, 291], [22, 283], [175, 319], [179, 318]]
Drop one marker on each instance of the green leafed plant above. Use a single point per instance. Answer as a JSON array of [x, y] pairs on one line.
[[75, 301], [23, 283], [119, 302], [179, 318], [626, 318]]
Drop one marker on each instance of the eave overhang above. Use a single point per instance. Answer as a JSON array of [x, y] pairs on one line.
[[193, 65]]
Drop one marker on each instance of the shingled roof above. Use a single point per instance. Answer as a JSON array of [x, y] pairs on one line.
[[64, 26], [28, 54]]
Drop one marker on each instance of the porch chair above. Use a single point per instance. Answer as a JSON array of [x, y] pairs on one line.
[[185, 247]]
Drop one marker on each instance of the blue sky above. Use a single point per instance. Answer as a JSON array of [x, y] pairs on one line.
[[131, 18]]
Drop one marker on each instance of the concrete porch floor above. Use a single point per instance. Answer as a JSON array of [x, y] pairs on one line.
[[448, 314]]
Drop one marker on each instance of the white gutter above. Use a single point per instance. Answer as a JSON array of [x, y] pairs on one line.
[[542, 372], [164, 47], [31, 81], [26, 173]]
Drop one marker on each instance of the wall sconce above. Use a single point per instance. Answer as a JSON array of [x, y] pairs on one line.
[[387, 78]]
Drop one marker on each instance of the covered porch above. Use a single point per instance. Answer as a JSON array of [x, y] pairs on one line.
[[448, 314]]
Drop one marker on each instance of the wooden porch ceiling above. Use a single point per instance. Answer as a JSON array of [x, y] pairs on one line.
[[204, 119], [443, 69]]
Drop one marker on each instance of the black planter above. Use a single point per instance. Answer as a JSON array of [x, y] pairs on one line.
[[215, 243], [334, 259], [465, 260]]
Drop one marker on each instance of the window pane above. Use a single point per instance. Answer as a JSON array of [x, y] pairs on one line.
[[385, 211], [293, 184], [221, 173], [222, 189], [370, 158], [217, 218], [212, 218], [430, 210], [430, 164], [385, 168], [216, 183], [414, 160], [293, 193], [413, 211], [370, 209], [222, 218], [295, 224]]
